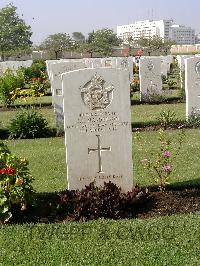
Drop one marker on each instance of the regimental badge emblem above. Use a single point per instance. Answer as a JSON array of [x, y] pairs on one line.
[[197, 68], [95, 94], [150, 66]]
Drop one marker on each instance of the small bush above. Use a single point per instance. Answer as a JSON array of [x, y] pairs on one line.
[[28, 123], [36, 70], [104, 202], [15, 183], [167, 118], [193, 120], [9, 84]]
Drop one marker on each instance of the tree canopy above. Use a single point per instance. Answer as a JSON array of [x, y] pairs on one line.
[[101, 42], [57, 43], [154, 43], [14, 33]]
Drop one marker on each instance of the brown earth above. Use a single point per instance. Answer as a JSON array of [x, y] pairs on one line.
[[158, 204]]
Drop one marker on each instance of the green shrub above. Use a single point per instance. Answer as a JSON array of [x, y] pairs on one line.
[[193, 120], [167, 118], [36, 70], [28, 123], [37, 78], [9, 83], [15, 183]]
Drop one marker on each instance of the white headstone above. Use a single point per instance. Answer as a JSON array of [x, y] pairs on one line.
[[192, 86], [125, 63], [150, 77], [55, 71], [14, 65], [97, 122], [165, 64]]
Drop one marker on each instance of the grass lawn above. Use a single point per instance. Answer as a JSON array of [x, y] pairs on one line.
[[146, 114], [170, 240], [186, 167], [47, 159], [161, 241], [6, 116], [143, 114]]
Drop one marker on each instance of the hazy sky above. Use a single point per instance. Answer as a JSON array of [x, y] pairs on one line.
[[53, 16]]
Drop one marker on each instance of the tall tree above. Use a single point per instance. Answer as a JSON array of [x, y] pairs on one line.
[[154, 44], [14, 33], [57, 43], [101, 42]]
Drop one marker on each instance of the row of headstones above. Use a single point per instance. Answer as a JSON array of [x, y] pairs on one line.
[[95, 103], [150, 78], [94, 97], [14, 65], [190, 66], [151, 70], [151, 82], [55, 68]]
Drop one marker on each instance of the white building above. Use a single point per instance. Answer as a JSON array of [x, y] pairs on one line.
[[146, 29], [181, 34], [161, 28]]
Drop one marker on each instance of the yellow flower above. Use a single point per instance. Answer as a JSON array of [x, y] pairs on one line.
[[19, 181]]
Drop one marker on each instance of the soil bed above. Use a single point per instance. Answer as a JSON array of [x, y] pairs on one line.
[[171, 202], [158, 204]]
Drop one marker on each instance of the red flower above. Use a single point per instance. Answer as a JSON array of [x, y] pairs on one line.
[[2, 171], [8, 171]]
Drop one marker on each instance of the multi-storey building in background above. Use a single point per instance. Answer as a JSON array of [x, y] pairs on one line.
[[161, 28], [182, 35]]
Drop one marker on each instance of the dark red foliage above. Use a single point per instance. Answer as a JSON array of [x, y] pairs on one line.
[[104, 202]]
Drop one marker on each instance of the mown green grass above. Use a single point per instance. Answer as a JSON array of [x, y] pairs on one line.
[[143, 114], [186, 166], [173, 240], [6, 116], [160, 241], [146, 114], [47, 159]]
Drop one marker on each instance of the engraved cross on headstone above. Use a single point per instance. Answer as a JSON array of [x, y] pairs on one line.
[[99, 150]]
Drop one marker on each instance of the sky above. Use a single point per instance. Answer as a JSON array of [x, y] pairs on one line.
[[52, 16]]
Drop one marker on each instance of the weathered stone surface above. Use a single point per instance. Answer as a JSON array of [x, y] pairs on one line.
[[55, 69], [150, 77], [192, 85], [165, 64], [97, 122], [125, 63], [13, 65]]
